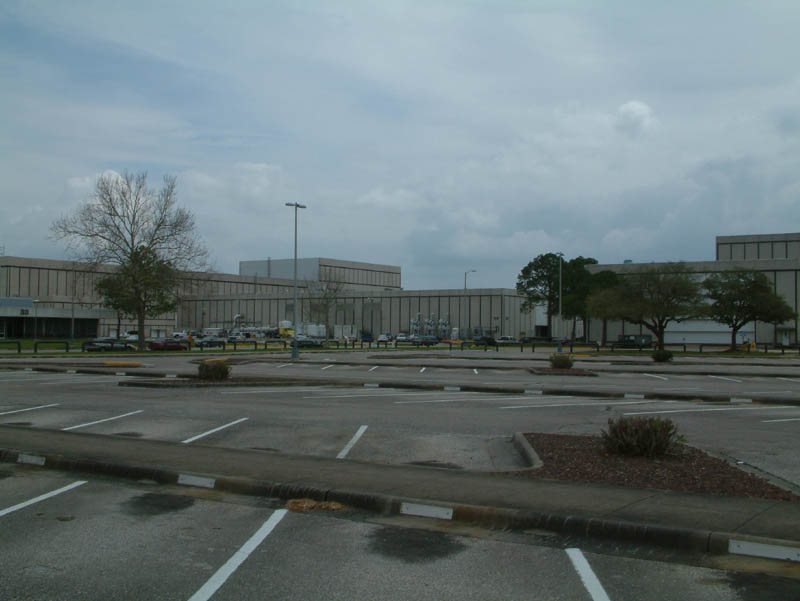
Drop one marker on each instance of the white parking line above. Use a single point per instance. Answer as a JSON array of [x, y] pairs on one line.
[[373, 368], [327, 367], [284, 365], [422, 370], [42, 497], [705, 410], [587, 575], [773, 421], [28, 409], [199, 436], [80, 380], [475, 371], [343, 453], [274, 390], [789, 379], [724, 378], [100, 421], [206, 591], [655, 376], [371, 393], [642, 402]]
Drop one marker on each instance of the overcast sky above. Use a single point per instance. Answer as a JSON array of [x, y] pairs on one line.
[[438, 136]]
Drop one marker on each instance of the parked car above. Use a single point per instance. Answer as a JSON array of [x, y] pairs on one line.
[[366, 337], [307, 341], [209, 341], [402, 337], [107, 344], [131, 336], [507, 340], [484, 341], [385, 338], [238, 337], [167, 344], [425, 340]]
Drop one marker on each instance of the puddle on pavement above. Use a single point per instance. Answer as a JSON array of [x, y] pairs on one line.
[[157, 504], [413, 546]]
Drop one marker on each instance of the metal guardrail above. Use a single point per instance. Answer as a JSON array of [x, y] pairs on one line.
[[14, 342]]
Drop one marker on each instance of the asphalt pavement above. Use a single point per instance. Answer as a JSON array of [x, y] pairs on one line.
[[692, 522]]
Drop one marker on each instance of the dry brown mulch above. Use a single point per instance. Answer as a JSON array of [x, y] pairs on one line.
[[686, 469]]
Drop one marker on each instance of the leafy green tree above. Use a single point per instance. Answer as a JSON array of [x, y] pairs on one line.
[[652, 297], [601, 289], [143, 233], [740, 296], [576, 285], [538, 283]]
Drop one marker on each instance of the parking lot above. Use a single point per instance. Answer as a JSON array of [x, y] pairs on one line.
[[97, 537], [460, 429], [66, 536]]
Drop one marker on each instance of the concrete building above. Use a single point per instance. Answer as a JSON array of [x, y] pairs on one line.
[[775, 255], [52, 299]]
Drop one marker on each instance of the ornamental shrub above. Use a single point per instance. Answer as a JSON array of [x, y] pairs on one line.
[[213, 370], [660, 356], [641, 436], [558, 361]]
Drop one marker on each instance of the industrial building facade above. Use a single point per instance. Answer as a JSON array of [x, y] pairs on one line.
[[57, 299], [775, 255], [53, 299]]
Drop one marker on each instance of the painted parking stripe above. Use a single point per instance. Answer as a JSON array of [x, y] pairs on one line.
[[789, 379], [714, 409], [206, 591], [100, 421], [373, 368], [587, 575], [343, 453], [775, 421], [327, 367], [724, 378], [642, 402], [80, 380], [284, 365], [655, 376], [475, 371], [204, 434], [272, 390], [383, 392], [42, 497], [28, 409], [422, 370]]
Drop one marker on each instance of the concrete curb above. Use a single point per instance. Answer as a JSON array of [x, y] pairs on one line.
[[684, 539], [524, 448]]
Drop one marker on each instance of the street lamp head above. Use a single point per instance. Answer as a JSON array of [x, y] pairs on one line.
[[296, 205]]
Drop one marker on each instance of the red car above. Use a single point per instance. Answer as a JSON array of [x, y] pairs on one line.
[[167, 344]]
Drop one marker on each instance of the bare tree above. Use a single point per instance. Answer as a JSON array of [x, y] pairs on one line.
[[320, 301], [144, 234]]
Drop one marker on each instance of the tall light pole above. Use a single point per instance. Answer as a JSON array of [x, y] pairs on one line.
[[295, 352], [465, 276]]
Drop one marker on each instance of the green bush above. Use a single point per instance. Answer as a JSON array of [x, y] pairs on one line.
[[558, 361], [641, 436], [213, 370], [660, 356]]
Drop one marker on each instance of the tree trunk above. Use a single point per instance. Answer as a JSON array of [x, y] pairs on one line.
[[733, 338]]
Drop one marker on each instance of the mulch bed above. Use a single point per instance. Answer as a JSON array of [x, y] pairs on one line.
[[686, 469]]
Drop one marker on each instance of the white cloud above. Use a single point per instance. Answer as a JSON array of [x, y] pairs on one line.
[[635, 118]]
